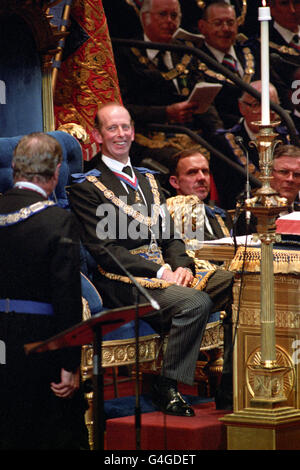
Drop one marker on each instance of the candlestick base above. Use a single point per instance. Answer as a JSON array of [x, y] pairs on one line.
[[268, 385]]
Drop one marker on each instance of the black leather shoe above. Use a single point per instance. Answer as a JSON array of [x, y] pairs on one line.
[[170, 402]]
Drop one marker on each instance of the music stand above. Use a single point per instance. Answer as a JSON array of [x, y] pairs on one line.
[[86, 332]]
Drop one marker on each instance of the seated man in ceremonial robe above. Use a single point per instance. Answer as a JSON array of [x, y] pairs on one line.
[[122, 210], [190, 176], [229, 183], [222, 42], [155, 85]]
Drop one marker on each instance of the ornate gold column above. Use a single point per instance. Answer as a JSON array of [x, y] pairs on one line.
[[261, 425]]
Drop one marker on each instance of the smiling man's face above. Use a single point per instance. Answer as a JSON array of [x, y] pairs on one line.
[[116, 132]]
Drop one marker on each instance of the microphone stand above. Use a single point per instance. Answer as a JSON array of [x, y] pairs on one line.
[[155, 305], [239, 141], [98, 342]]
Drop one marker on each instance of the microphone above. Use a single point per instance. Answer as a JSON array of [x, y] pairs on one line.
[[238, 206], [141, 289]]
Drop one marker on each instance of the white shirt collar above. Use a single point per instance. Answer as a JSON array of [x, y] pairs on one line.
[[32, 186], [115, 165], [250, 133], [219, 55], [287, 34], [151, 53]]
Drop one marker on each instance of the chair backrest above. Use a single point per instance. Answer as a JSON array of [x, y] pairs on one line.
[[72, 163]]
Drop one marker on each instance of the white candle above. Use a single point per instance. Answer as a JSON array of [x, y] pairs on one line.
[[264, 16]]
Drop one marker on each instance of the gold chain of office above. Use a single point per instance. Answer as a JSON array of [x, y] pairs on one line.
[[129, 210], [180, 70]]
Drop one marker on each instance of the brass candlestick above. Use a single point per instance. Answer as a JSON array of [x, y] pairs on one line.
[[266, 206], [267, 421]]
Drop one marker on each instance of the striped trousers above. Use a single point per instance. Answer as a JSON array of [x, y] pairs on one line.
[[183, 314]]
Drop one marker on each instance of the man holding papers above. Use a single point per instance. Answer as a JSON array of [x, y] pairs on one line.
[[219, 26], [156, 84]]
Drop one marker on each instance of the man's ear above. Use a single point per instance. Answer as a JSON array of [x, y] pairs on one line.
[[201, 25], [132, 134], [96, 136], [56, 173], [173, 181]]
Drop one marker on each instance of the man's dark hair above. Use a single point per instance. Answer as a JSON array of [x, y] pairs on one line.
[[174, 160], [221, 3], [286, 151]]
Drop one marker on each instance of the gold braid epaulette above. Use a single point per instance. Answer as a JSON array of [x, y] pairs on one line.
[[248, 71], [238, 152]]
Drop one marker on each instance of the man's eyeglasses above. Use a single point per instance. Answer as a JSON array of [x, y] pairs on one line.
[[286, 173], [220, 23]]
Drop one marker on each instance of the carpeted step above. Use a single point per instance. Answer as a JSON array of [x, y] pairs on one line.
[[163, 432]]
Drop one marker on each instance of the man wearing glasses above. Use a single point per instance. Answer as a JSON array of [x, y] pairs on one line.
[[223, 43], [230, 184], [286, 174], [155, 85]]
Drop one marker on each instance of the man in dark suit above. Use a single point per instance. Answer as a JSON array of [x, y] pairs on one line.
[[190, 174], [121, 211], [219, 27], [40, 296], [155, 85], [229, 183]]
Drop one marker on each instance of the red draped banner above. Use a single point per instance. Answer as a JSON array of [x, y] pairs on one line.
[[87, 75]]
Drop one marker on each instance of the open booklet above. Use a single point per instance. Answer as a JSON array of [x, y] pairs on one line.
[[248, 240], [181, 33], [204, 93]]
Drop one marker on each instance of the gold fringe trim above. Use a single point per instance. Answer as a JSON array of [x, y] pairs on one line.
[[285, 261], [199, 282], [150, 283]]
